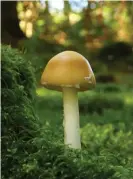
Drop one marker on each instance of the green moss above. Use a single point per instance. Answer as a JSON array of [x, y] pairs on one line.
[[18, 119]]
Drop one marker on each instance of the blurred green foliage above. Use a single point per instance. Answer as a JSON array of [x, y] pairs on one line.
[[101, 31]]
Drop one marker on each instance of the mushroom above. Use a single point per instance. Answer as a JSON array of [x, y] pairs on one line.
[[70, 73]]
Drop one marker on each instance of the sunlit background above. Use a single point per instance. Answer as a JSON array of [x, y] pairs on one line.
[[112, 16], [93, 25]]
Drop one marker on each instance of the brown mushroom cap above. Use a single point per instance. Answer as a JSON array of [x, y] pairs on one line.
[[68, 69]]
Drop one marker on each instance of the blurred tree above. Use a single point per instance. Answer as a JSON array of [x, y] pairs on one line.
[[87, 20], [47, 17], [10, 30], [67, 11]]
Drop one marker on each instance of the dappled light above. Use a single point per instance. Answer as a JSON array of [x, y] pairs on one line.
[[111, 19]]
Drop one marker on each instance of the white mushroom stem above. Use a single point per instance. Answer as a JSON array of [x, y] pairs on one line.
[[71, 118]]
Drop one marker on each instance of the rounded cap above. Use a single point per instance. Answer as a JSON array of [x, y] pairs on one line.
[[68, 69]]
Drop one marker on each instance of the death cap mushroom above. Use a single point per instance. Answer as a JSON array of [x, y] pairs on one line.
[[68, 69]]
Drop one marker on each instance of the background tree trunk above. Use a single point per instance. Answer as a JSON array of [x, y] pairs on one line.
[[10, 30]]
